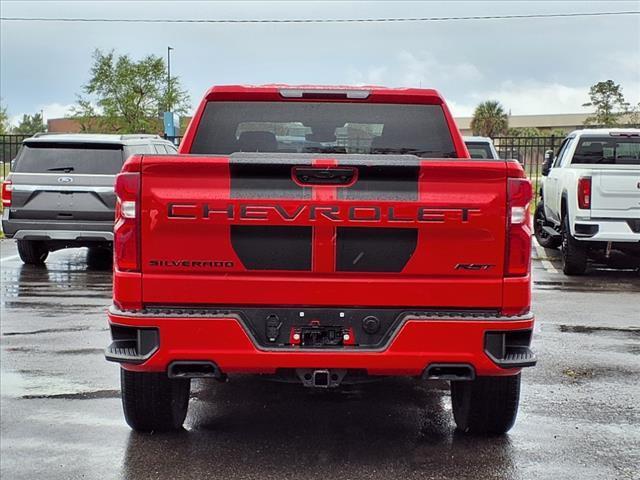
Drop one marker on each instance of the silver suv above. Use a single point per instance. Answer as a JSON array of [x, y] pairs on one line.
[[59, 193]]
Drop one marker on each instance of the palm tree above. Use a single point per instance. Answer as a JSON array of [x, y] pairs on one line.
[[489, 119]]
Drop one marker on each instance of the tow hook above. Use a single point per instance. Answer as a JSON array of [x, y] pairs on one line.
[[607, 252], [322, 378]]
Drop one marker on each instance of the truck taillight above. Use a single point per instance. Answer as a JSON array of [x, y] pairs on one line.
[[126, 231], [518, 257], [584, 193], [7, 190]]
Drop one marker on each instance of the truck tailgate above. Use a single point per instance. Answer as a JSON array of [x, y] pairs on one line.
[[616, 193], [296, 229]]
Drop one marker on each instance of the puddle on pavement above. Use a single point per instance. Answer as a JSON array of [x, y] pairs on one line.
[[92, 395], [46, 330], [55, 280], [591, 285], [604, 373], [80, 351], [27, 386], [590, 330]]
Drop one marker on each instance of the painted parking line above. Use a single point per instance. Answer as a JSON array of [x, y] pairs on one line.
[[548, 266]]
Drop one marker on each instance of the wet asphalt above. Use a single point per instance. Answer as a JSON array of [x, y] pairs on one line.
[[61, 416]]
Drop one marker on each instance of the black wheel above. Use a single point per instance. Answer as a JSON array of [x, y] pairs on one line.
[[574, 252], [32, 252], [486, 405], [100, 258], [154, 402], [544, 239]]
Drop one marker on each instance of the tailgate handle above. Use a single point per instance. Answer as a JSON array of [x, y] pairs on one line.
[[325, 175]]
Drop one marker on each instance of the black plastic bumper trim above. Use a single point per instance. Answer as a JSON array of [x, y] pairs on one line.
[[510, 348], [131, 344], [236, 313]]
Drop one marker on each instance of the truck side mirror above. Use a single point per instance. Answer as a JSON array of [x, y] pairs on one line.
[[548, 161]]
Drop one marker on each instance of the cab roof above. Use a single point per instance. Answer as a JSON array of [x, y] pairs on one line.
[[469, 138], [634, 132], [275, 92]]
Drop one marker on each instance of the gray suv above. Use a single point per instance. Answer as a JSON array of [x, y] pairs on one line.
[[59, 193]]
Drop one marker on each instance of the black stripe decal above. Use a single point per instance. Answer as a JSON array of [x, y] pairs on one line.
[[374, 249], [383, 183], [272, 247], [265, 182]]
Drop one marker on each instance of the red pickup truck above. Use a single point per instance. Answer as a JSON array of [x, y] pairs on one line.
[[324, 235]]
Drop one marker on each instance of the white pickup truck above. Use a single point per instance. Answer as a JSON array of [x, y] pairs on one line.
[[590, 197], [481, 147]]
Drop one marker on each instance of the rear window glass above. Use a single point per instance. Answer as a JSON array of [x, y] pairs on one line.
[[318, 127], [92, 158], [479, 150], [607, 151]]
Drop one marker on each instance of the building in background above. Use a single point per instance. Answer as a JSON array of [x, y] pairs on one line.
[[545, 123]]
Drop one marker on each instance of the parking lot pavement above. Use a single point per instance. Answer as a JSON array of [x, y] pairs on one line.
[[61, 416]]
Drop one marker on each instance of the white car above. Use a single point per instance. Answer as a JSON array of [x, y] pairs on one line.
[[590, 197], [481, 147]]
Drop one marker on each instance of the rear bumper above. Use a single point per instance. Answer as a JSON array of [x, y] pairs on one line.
[[606, 230], [417, 342], [57, 230]]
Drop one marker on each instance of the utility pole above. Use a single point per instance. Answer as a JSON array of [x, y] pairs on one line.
[[169, 78]]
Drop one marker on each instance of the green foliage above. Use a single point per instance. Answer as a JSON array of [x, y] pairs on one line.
[[129, 95], [609, 103], [525, 132], [557, 132], [4, 120], [88, 118], [535, 132], [633, 116], [489, 119], [30, 124]]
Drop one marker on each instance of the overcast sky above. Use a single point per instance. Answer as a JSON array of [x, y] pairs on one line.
[[533, 66]]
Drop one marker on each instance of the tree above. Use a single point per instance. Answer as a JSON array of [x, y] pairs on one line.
[[131, 95], [4, 119], [535, 132], [609, 103], [30, 124], [87, 117], [633, 116], [525, 132], [489, 119]]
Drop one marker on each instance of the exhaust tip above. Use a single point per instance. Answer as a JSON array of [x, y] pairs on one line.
[[194, 369], [449, 371]]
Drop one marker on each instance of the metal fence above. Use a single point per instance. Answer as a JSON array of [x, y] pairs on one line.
[[9, 146], [529, 151]]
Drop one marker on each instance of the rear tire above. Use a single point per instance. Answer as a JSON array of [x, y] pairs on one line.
[[543, 238], [99, 258], [154, 402], [574, 252], [486, 405], [32, 252]]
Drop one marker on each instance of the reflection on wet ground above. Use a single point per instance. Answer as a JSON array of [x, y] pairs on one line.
[[384, 429], [61, 416]]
